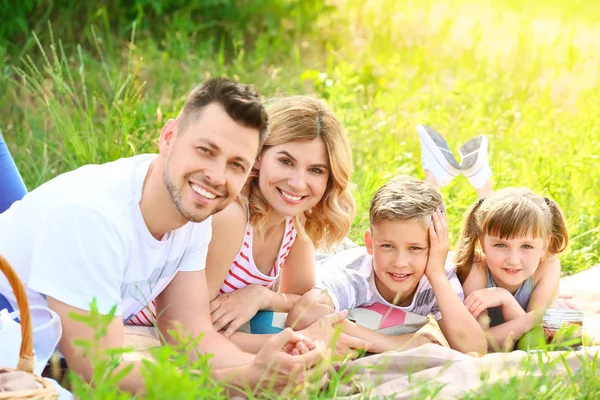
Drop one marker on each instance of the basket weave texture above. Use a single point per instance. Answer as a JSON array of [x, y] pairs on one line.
[[45, 390]]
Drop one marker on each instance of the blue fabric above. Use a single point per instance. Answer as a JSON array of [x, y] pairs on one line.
[[262, 323], [4, 303], [12, 187]]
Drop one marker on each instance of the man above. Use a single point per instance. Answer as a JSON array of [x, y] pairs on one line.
[[138, 229]]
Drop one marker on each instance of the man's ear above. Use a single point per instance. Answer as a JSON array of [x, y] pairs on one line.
[[168, 132], [369, 242]]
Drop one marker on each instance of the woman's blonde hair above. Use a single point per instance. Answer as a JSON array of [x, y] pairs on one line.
[[509, 213], [303, 118]]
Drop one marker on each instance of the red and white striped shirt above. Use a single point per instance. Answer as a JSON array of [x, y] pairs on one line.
[[243, 272]]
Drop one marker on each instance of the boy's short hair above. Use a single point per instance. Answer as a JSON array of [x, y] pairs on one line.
[[405, 198]]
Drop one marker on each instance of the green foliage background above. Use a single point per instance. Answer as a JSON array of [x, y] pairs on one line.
[[88, 82]]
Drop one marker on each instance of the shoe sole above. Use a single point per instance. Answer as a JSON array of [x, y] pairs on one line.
[[469, 153], [439, 148]]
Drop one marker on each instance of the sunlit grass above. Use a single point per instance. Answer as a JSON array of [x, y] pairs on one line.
[[526, 73]]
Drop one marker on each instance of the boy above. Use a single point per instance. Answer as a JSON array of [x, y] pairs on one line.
[[403, 266]]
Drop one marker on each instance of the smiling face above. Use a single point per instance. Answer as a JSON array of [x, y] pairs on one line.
[[400, 249], [207, 163], [512, 261], [293, 176]]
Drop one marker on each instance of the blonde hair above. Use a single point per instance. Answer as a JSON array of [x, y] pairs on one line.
[[509, 213], [303, 118], [405, 198]]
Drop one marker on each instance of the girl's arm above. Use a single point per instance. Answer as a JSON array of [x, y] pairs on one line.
[[547, 279], [544, 293]]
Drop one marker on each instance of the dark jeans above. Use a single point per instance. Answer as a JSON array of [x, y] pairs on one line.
[[12, 187]]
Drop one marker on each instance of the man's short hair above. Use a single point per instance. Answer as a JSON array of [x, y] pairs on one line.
[[240, 101], [405, 198]]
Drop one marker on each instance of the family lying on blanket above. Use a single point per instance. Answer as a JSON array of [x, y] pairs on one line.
[[138, 233]]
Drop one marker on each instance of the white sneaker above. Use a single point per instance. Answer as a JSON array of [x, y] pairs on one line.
[[436, 156], [474, 161]]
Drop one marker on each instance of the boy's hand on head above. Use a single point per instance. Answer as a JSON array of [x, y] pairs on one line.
[[438, 245], [482, 299]]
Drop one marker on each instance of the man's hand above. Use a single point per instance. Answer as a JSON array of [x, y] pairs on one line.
[[324, 329], [232, 310], [438, 245], [277, 367], [482, 299]]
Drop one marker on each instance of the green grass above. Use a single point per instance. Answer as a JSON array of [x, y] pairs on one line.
[[526, 73]]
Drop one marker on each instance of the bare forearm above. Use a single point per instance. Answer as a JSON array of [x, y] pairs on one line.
[[248, 342], [302, 316], [382, 343], [460, 328], [281, 302], [512, 309], [503, 336], [228, 355]]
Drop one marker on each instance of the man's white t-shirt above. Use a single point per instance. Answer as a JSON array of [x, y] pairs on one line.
[[82, 236], [349, 279]]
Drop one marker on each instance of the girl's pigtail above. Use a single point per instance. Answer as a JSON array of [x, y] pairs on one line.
[[559, 235], [465, 254]]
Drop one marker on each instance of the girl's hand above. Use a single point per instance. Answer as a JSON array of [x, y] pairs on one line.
[[232, 310], [482, 299], [438, 245]]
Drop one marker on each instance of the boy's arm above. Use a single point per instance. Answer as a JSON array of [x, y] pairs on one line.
[[309, 308], [382, 343], [317, 303], [461, 329]]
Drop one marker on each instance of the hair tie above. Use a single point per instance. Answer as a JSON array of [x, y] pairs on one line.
[[547, 200], [480, 201]]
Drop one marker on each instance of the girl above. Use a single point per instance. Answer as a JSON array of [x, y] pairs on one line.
[[507, 261], [296, 198]]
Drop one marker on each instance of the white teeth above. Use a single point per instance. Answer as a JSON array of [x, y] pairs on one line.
[[203, 192], [511, 270], [400, 275], [289, 196]]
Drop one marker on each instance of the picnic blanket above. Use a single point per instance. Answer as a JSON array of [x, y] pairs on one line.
[[398, 374], [401, 375], [582, 289]]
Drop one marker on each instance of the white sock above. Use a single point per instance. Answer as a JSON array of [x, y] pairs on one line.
[[481, 177], [429, 162]]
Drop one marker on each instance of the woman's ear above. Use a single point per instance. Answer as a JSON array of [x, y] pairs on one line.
[[256, 165]]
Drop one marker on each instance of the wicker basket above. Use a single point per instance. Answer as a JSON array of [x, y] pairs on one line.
[[26, 359]]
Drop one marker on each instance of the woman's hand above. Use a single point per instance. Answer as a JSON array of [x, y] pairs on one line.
[[232, 310]]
